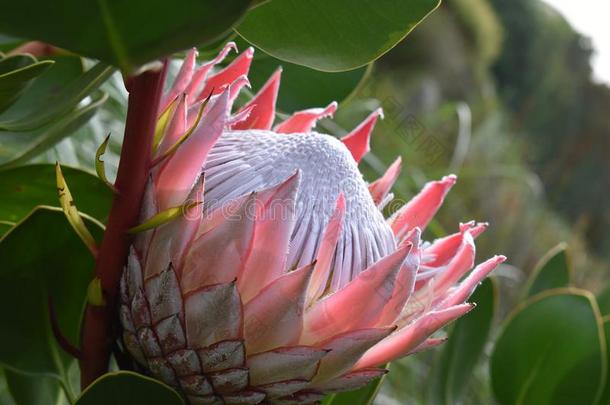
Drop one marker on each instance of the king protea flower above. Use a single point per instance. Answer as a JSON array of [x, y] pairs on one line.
[[286, 282]]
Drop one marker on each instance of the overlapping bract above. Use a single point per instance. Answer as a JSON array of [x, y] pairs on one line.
[[210, 303]]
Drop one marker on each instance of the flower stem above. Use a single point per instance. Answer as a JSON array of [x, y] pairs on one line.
[[99, 329]]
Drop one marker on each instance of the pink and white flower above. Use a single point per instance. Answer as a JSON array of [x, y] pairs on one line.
[[287, 282]]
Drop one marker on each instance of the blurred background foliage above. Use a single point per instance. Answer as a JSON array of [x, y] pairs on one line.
[[501, 94]]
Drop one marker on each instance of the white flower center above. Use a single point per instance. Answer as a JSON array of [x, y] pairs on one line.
[[246, 161]]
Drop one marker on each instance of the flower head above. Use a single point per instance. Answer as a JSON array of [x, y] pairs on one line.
[[287, 282]]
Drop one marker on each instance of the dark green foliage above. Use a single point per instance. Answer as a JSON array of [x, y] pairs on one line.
[[127, 388], [42, 259], [124, 33], [26, 187]]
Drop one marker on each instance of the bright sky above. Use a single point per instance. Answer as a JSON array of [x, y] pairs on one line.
[[590, 17]]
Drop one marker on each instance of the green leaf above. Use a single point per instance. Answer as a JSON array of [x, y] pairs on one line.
[[5, 396], [552, 271], [19, 147], [362, 396], [50, 109], [127, 388], [603, 300], [16, 73], [124, 33], [332, 35], [459, 356], [32, 390], [5, 226], [13, 63], [551, 351], [25, 187], [39, 95], [80, 147], [303, 87], [54, 94], [42, 258], [605, 397], [8, 43]]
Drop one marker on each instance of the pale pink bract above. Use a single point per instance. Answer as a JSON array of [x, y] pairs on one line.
[[286, 283]]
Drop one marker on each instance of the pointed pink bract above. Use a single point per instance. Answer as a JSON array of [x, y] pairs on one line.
[[304, 121], [408, 338], [262, 105], [381, 187], [358, 304], [358, 141], [420, 210]]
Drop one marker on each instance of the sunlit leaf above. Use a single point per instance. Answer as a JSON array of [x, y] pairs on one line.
[[16, 73], [551, 351], [19, 147], [54, 95]]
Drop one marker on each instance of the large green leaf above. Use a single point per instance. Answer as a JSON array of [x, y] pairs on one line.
[[8, 43], [553, 271], [16, 73], [80, 147], [332, 35], [303, 87], [603, 300], [54, 94], [461, 353], [25, 187], [551, 351], [5, 226], [127, 388], [605, 397], [50, 109], [17, 148], [33, 390], [5, 396], [123, 33], [42, 258]]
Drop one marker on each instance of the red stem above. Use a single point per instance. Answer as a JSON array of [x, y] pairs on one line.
[[99, 329]]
